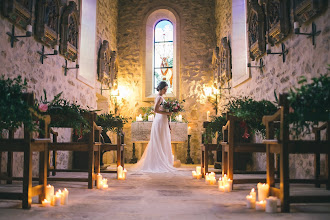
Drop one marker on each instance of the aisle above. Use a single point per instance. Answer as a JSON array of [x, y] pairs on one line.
[[154, 196]]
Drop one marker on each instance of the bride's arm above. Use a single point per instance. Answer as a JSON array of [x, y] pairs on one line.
[[157, 108]]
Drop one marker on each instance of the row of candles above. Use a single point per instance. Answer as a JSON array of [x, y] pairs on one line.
[[151, 117], [264, 203], [55, 199], [121, 173]]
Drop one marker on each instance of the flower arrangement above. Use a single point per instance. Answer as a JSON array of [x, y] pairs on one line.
[[173, 106]]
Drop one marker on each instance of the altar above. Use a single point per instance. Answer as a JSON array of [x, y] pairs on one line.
[[140, 134]]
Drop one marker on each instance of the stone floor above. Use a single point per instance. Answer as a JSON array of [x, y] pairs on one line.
[[157, 196]]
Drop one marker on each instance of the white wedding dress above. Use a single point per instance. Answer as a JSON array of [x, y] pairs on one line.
[[157, 157]]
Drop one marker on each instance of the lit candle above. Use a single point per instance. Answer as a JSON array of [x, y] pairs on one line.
[[189, 130], [57, 199], [105, 186], [253, 194], [208, 116], [230, 185], [45, 203], [98, 181], [198, 170], [250, 202], [137, 118], [224, 179], [149, 118], [29, 28], [105, 181], [65, 197], [194, 174], [212, 181], [180, 118], [296, 25], [263, 190], [220, 182], [49, 192], [120, 172], [199, 176], [260, 205], [271, 204], [124, 174], [207, 178]]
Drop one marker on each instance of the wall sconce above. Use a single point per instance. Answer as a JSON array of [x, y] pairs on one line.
[[283, 54], [44, 56], [66, 68], [261, 65], [313, 34], [14, 39]]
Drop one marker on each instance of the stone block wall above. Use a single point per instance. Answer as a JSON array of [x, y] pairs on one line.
[[303, 59], [196, 44], [24, 60]]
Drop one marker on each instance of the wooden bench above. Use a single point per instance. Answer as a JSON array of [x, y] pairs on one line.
[[284, 147], [28, 145], [91, 145], [232, 145]]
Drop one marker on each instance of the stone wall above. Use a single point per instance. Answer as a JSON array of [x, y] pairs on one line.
[[24, 60], [303, 59], [196, 44]]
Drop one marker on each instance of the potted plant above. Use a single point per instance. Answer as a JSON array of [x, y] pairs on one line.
[[309, 104], [14, 110]]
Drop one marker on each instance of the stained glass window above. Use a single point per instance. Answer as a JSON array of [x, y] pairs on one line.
[[163, 54]]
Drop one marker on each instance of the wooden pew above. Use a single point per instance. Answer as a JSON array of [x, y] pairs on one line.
[[28, 145], [284, 147], [91, 145]]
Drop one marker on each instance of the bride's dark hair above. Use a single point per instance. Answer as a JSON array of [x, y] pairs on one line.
[[161, 85]]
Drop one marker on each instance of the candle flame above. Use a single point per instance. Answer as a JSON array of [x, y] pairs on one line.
[[252, 190]]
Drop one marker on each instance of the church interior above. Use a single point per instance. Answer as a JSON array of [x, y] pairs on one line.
[[248, 85]]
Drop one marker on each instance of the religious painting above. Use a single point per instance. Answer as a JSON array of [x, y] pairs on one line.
[[19, 12], [48, 20], [70, 31], [225, 61], [278, 20], [305, 10], [256, 30], [163, 54], [103, 63]]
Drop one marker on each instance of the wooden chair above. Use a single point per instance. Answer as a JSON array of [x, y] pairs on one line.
[[284, 147], [119, 148], [91, 145], [28, 145], [231, 144]]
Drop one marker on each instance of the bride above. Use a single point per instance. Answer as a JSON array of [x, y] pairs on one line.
[[157, 157]]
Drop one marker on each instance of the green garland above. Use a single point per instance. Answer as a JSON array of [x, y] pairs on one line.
[[111, 122]]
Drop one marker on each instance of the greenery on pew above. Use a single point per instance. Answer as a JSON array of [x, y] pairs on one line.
[[14, 111], [65, 113], [111, 122], [309, 104], [251, 112], [216, 125]]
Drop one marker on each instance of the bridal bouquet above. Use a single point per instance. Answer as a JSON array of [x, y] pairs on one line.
[[173, 106]]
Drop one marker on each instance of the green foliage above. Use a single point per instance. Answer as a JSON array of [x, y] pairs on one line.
[[65, 113], [309, 104], [111, 122], [215, 126], [251, 112], [147, 111], [13, 109]]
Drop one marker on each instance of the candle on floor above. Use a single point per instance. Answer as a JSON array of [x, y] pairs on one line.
[[271, 204], [124, 174], [65, 197], [57, 199], [220, 182], [207, 177], [49, 192], [98, 181], [105, 181], [199, 176], [45, 203], [194, 174], [224, 179], [230, 185], [253, 194], [198, 170], [263, 190], [105, 186], [212, 180], [250, 202], [260, 205]]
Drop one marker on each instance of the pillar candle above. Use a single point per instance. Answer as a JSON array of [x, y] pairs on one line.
[[124, 174], [250, 202], [198, 170], [207, 178], [208, 116], [65, 197], [105, 181], [29, 28], [45, 203], [253, 194], [189, 130], [119, 172], [105, 186], [271, 204], [199, 176], [212, 181], [224, 179], [57, 199], [220, 182], [180, 118], [296, 25], [260, 205], [230, 185], [212, 175], [49, 192], [194, 174], [263, 190], [98, 181]]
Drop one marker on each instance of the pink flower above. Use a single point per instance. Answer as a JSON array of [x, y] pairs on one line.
[[43, 107]]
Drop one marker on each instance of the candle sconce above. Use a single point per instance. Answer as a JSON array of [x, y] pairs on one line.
[[66, 68], [313, 34], [14, 39], [261, 65], [283, 53], [44, 56]]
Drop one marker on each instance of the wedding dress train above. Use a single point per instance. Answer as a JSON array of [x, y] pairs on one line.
[[157, 157]]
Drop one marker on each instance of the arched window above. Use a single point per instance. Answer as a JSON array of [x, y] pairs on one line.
[[163, 54]]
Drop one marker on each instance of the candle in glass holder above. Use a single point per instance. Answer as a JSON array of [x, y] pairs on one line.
[[98, 181], [271, 204], [260, 205], [263, 190], [45, 203], [250, 202], [49, 192]]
